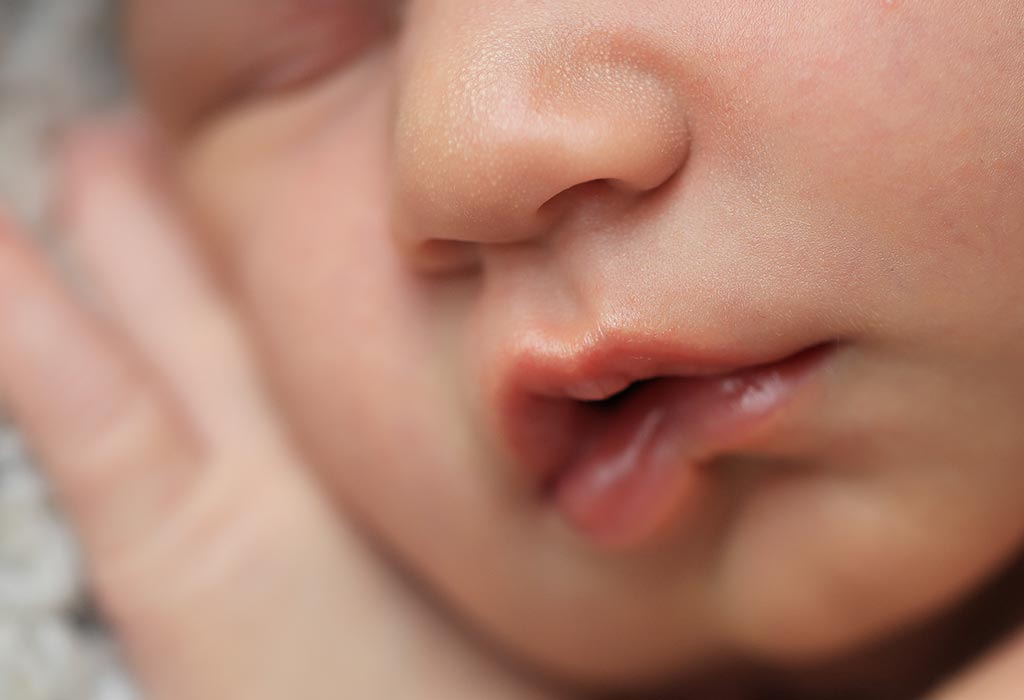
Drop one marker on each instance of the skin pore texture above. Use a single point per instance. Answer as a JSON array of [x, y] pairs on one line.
[[407, 201]]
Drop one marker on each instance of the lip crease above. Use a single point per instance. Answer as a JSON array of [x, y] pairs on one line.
[[618, 435]]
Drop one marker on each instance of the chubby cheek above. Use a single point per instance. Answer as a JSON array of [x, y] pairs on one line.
[[913, 503], [906, 138], [299, 219], [900, 144], [905, 149], [843, 561]]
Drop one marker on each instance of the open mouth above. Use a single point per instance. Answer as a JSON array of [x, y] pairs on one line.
[[620, 443]]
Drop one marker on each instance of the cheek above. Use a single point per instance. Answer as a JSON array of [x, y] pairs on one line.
[[902, 138], [846, 557], [300, 222], [914, 502]]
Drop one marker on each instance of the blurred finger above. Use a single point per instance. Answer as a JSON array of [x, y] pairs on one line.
[[117, 454], [133, 249]]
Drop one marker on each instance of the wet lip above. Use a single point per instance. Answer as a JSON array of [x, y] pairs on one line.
[[619, 437]]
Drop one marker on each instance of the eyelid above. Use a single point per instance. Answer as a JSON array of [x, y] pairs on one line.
[[193, 58]]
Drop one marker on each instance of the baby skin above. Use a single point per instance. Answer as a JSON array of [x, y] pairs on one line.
[[476, 348]]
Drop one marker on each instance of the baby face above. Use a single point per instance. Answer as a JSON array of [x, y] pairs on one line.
[[648, 335]]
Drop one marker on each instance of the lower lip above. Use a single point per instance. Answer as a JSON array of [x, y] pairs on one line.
[[641, 469]]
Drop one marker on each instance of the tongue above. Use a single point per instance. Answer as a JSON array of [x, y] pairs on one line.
[[638, 470]]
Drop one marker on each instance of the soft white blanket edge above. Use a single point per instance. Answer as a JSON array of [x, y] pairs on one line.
[[50, 70]]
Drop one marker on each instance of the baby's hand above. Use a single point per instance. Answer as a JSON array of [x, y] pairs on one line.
[[224, 571]]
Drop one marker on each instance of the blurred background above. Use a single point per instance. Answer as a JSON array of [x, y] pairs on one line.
[[57, 62]]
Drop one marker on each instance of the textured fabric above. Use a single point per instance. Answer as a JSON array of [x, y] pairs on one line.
[[54, 62]]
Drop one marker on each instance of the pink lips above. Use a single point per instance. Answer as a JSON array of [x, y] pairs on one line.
[[625, 466]]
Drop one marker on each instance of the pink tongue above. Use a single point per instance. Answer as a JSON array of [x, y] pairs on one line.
[[639, 469]]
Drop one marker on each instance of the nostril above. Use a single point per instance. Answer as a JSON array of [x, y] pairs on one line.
[[605, 191], [570, 198]]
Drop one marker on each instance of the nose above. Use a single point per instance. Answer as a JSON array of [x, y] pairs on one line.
[[507, 130]]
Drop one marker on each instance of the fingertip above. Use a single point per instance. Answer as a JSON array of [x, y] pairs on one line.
[[125, 127], [15, 255], [8, 239], [118, 148], [8, 227]]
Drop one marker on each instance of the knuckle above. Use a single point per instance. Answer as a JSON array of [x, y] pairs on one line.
[[136, 430], [132, 442], [228, 532]]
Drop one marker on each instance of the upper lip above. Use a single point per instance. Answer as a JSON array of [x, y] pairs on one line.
[[546, 391]]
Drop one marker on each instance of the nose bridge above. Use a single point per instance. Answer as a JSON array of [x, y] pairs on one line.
[[511, 117]]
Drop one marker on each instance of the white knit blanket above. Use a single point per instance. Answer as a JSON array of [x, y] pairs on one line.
[[53, 64]]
